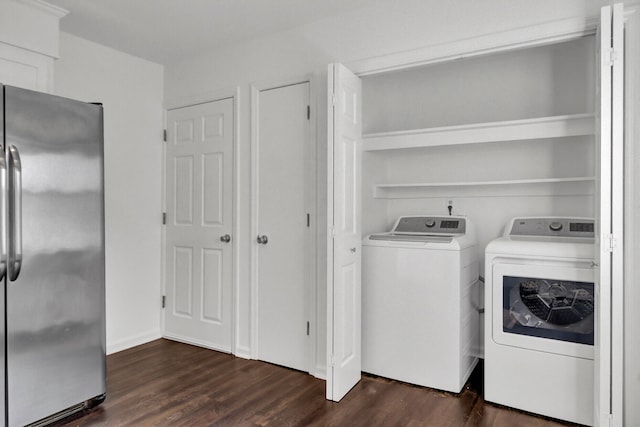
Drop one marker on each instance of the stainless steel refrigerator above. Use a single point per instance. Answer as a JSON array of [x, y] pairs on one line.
[[51, 257]]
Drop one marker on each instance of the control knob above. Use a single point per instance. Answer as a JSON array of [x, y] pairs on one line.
[[555, 226]]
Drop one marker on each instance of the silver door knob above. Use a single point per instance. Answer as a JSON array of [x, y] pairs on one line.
[[262, 240], [225, 239]]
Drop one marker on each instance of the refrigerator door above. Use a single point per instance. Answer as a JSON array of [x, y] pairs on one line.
[[55, 306], [3, 260]]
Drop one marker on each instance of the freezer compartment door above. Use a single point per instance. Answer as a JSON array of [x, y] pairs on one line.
[[55, 305]]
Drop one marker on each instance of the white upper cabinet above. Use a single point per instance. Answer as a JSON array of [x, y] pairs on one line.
[[29, 35]]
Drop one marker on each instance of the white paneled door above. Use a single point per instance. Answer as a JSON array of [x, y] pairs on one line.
[[199, 241], [282, 221], [608, 398], [344, 245]]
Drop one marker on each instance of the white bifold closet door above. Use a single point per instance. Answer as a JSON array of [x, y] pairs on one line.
[[608, 379], [344, 236]]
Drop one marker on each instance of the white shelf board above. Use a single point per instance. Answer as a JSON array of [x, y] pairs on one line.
[[513, 130], [574, 186]]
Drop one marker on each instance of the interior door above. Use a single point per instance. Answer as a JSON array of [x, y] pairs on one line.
[[344, 235], [282, 222], [199, 245], [608, 339]]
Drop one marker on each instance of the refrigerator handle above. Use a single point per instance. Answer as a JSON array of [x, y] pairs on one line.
[[15, 214], [3, 213]]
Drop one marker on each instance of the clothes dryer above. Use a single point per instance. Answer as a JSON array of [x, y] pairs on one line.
[[539, 328], [420, 318]]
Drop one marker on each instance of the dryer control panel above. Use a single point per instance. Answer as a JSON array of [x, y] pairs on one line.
[[552, 227], [430, 225]]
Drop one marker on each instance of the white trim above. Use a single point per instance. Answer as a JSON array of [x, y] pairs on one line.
[[631, 368], [254, 272], [44, 6], [133, 341], [41, 64], [330, 235], [311, 157], [536, 35], [243, 352], [235, 322], [201, 98], [310, 204], [321, 372], [198, 343], [163, 234]]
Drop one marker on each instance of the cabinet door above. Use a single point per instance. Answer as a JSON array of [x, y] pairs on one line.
[[608, 339], [344, 246], [25, 69]]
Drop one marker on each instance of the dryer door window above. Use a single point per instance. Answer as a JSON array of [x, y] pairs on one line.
[[548, 308]]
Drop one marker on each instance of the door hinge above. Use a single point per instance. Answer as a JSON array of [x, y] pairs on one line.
[[610, 242], [164, 135], [308, 220], [609, 422], [164, 300], [164, 218], [308, 112], [333, 100], [307, 327], [332, 361], [613, 55]]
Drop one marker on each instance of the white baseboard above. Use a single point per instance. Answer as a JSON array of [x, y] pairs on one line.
[[243, 352], [132, 341], [197, 343], [321, 372]]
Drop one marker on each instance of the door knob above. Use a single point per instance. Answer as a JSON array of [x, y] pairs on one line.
[[353, 250], [225, 239], [262, 239]]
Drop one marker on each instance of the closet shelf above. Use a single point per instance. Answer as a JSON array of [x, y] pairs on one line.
[[513, 130], [573, 186]]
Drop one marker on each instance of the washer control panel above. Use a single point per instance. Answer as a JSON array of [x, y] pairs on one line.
[[549, 227], [430, 225]]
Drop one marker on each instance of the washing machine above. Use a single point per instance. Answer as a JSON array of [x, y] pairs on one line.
[[420, 312], [539, 309]]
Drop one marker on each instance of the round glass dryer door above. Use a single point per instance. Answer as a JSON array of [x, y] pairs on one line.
[[547, 308]]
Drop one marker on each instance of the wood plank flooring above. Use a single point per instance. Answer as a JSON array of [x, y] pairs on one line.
[[165, 383]]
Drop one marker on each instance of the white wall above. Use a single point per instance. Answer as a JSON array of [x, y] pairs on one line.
[[384, 28], [130, 89], [544, 81]]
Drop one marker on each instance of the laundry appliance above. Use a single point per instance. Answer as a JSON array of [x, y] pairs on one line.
[[420, 321], [539, 328]]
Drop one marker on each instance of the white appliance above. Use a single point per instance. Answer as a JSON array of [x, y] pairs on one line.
[[419, 302], [539, 328]]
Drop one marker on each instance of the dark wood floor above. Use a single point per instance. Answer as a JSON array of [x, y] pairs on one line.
[[165, 383]]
